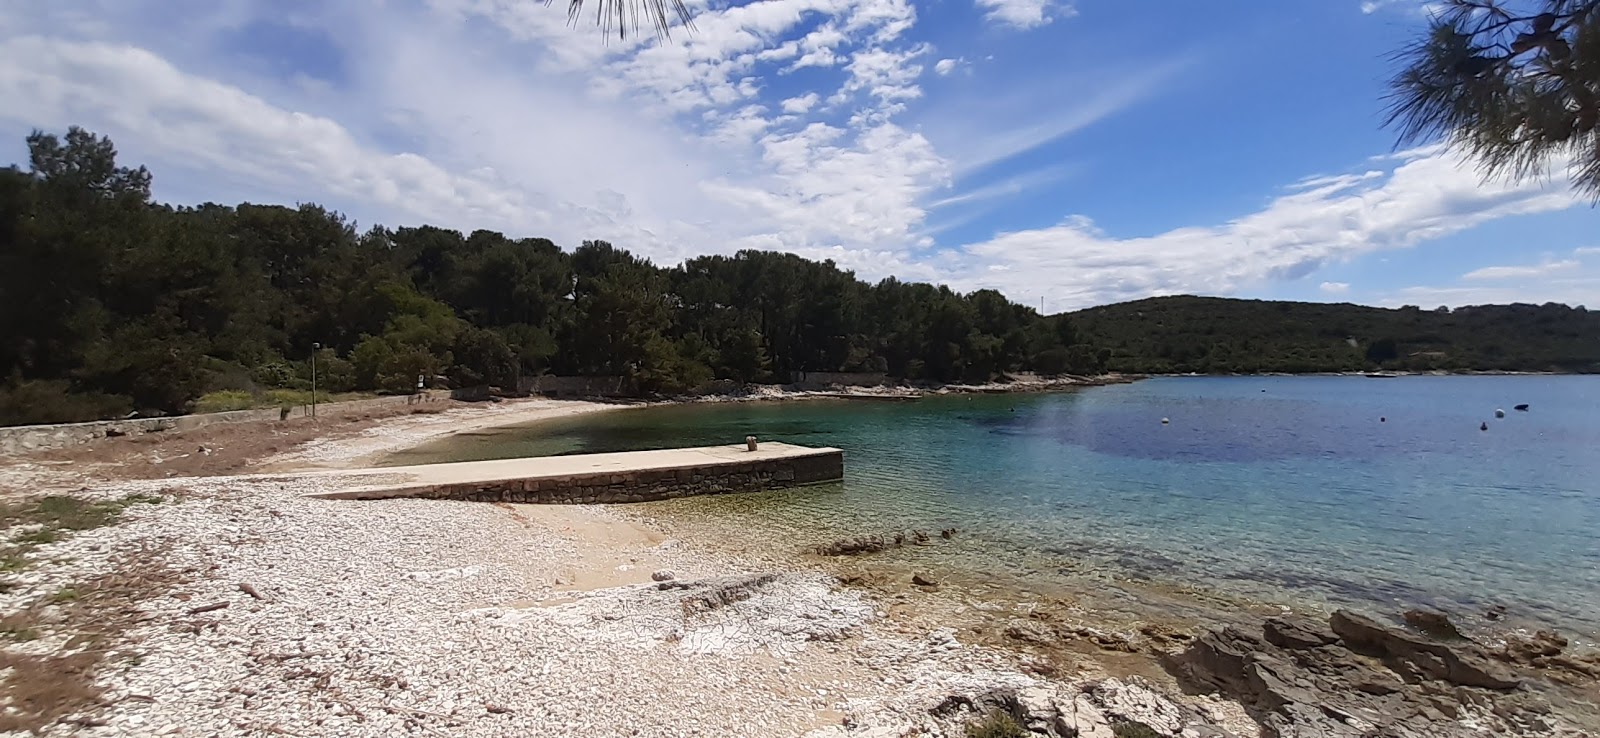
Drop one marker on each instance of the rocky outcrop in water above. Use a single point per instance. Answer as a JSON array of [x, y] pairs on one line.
[[1355, 677]]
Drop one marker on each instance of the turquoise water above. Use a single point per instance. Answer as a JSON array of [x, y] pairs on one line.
[[1279, 489]]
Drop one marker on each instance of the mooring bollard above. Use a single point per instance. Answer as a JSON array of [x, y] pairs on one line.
[[749, 443]]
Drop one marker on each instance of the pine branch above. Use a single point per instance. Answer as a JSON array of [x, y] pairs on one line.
[[623, 15]]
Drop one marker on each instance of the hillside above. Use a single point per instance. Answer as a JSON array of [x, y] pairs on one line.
[[1220, 335]]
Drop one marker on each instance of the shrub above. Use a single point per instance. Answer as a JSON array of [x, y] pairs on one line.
[[53, 401], [997, 724], [333, 373], [292, 397], [274, 374], [1132, 729], [223, 401]]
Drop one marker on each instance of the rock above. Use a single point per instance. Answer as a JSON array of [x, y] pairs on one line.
[[1029, 631], [1133, 702], [1107, 641], [922, 581], [853, 546], [1297, 633], [1533, 651], [1463, 664], [1087, 721], [1359, 678], [1436, 624], [1494, 612], [1219, 659], [1097, 712], [663, 575], [1164, 635], [718, 592]]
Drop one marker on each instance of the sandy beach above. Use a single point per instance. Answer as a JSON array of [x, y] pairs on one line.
[[231, 604]]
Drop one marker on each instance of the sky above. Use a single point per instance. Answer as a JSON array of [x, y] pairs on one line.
[[1068, 154]]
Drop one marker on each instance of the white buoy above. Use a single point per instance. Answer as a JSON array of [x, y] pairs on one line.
[[1499, 413], [1165, 421]]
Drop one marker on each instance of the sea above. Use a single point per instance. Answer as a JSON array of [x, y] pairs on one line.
[[1315, 492]]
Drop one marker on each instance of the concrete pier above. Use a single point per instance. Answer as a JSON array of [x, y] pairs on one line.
[[636, 476]]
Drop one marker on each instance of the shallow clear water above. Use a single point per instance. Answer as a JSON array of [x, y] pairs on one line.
[[1284, 489]]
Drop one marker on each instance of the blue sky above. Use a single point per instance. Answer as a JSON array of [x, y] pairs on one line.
[[1081, 153]]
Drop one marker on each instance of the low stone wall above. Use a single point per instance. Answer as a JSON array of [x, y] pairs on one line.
[[21, 438], [645, 485]]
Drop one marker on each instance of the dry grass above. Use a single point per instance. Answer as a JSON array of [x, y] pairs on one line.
[[44, 690], [227, 448], [89, 617], [54, 517]]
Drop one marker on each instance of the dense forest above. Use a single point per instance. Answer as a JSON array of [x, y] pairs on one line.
[[1217, 335], [117, 304]]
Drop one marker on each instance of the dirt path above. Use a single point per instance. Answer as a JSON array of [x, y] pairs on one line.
[[346, 441]]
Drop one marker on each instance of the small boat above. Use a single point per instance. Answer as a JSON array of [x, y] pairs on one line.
[[1380, 375], [1523, 407]]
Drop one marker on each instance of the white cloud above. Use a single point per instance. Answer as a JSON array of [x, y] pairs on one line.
[[1334, 288], [801, 104], [945, 66], [54, 83], [1587, 251], [1522, 272], [1023, 14], [1408, 7], [666, 148], [1332, 220], [1014, 185], [1006, 126], [1572, 289]]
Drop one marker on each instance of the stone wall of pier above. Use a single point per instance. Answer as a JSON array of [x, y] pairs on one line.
[[647, 484]]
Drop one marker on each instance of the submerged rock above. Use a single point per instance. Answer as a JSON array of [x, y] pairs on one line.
[[1531, 650], [853, 546], [1436, 624]]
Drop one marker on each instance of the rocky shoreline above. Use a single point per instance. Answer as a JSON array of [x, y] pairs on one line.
[[238, 606]]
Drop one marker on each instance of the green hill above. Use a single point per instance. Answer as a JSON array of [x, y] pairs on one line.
[[1220, 335]]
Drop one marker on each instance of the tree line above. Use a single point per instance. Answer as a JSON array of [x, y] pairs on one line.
[[1212, 335], [117, 304]]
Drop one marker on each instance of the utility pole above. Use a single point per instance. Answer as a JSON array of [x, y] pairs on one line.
[[315, 347]]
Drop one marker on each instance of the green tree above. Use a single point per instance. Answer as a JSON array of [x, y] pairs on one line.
[[1515, 84], [1382, 350]]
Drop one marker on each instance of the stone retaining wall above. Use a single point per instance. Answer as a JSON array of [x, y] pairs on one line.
[[644, 485], [20, 438]]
